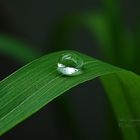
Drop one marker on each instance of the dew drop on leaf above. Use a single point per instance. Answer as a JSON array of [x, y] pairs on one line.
[[70, 64]]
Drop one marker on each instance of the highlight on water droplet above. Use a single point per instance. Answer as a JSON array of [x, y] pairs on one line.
[[70, 64]]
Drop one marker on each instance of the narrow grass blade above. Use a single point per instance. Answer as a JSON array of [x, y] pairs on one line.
[[17, 49]]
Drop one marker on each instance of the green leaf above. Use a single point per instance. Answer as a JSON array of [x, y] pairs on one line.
[[36, 84], [17, 49]]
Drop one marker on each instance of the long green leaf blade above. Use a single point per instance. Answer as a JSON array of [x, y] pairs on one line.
[[36, 84]]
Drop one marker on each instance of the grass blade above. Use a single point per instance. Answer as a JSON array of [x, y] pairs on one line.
[[17, 49], [36, 84]]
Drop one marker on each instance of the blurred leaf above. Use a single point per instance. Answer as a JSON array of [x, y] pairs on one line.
[[99, 26], [137, 50], [36, 84], [17, 49], [123, 52], [124, 42], [117, 42], [127, 49], [112, 7]]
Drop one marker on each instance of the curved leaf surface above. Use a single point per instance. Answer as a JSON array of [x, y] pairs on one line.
[[37, 83]]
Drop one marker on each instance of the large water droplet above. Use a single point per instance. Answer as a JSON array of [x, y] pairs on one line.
[[70, 64]]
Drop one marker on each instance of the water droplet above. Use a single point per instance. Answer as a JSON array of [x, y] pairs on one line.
[[70, 64]]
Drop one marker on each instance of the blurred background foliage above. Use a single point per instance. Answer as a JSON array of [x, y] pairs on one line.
[[105, 29]]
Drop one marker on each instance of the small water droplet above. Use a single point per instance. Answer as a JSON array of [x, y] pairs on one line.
[[70, 64]]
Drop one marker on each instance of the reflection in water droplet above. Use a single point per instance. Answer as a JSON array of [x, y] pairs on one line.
[[70, 64]]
